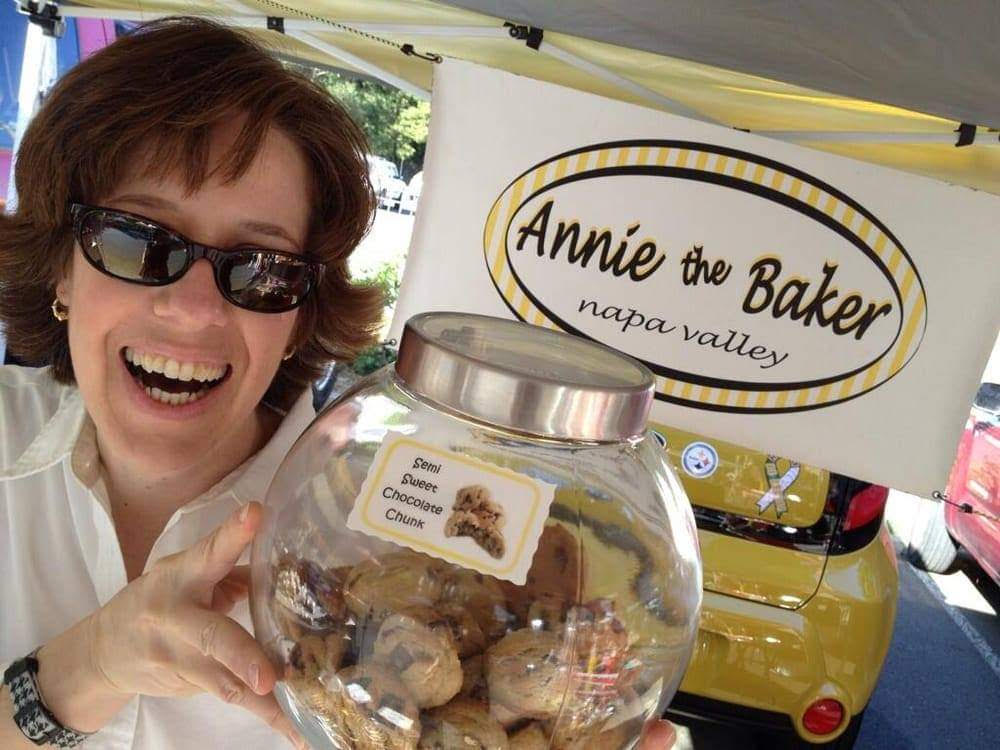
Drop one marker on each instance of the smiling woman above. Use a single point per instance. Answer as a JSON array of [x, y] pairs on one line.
[[177, 267]]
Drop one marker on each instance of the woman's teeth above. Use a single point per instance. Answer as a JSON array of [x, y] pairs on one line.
[[167, 380], [174, 399], [172, 368]]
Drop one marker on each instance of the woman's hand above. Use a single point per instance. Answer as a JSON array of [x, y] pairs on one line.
[[659, 735], [167, 634]]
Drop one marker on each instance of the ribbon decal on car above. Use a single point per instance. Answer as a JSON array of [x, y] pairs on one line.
[[777, 485]]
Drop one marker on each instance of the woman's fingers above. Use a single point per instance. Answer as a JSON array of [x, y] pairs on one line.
[[659, 735], [224, 685], [224, 640], [239, 575], [226, 595], [233, 588], [215, 556]]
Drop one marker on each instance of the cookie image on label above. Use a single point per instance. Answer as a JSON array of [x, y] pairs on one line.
[[475, 514], [478, 500], [464, 523]]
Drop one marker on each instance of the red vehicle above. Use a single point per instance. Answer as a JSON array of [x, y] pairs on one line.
[[975, 483]]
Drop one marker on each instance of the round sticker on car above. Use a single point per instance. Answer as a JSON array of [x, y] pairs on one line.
[[699, 460]]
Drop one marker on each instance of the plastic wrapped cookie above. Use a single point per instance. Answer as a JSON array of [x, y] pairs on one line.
[[547, 612], [555, 572], [311, 659], [594, 728], [474, 679], [481, 596], [461, 724], [417, 645], [531, 737], [314, 655], [527, 673], [453, 622], [374, 709], [381, 586], [307, 595]]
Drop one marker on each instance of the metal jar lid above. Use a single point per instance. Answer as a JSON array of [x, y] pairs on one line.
[[525, 378]]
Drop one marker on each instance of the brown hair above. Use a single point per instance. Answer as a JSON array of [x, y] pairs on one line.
[[159, 92]]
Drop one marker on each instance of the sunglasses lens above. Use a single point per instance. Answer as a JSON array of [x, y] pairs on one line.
[[131, 249], [265, 282]]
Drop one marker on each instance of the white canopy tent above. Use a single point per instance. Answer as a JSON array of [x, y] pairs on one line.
[[896, 82]]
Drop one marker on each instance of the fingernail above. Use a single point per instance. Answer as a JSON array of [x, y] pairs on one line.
[[253, 675], [244, 512]]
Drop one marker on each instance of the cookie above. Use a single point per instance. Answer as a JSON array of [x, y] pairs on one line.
[[474, 680], [527, 673], [481, 596], [616, 724], [419, 648], [464, 523], [307, 594], [314, 655], [555, 570], [547, 612], [530, 737], [452, 623], [375, 709], [478, 500], [461, 724], [381, 586]]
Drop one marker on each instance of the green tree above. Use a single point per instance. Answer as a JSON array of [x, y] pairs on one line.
[[395, 123]]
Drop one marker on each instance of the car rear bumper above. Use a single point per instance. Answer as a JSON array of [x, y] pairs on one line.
[[764, 665]]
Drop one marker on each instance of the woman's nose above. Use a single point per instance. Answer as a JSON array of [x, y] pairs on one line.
[[194, 300]]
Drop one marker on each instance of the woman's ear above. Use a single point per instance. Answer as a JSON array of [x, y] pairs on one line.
[[63, 289]]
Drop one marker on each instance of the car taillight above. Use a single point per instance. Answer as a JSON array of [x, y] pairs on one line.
[[823, 716], [865, 506]]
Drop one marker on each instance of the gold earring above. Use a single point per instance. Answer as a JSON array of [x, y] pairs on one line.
[[288, 355], [59, 311]]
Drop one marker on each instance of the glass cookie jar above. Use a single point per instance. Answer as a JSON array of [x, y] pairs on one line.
[[479, 547]]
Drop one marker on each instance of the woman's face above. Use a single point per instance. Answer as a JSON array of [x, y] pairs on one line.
[[187, 329]]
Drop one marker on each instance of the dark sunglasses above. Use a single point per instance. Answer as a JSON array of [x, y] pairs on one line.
[[135, 249]]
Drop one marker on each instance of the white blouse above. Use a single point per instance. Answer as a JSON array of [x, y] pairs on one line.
[[60, 558]]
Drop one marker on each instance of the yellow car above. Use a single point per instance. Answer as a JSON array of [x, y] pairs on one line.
[[800, 584]]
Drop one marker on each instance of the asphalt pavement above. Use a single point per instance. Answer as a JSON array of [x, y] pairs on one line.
[[940, 685]]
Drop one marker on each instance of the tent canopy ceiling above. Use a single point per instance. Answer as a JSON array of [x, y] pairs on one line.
[[930, 56], [885, 81]]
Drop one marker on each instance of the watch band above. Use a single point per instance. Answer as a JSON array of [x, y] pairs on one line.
[[31, 714]]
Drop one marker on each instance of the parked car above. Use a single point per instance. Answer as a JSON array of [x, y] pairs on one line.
[[974, 483], [408, 204], [800, 584], [385, 181]]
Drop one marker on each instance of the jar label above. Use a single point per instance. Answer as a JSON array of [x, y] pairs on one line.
[[452, 506]]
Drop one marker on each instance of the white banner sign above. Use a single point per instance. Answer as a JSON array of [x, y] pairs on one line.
[[808, 305]]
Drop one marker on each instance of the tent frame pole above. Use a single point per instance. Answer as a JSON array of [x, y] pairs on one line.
[[663, 102], [360, 64]]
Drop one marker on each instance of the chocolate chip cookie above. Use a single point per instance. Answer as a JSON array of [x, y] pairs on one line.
[[420, 649], [461, 724]]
